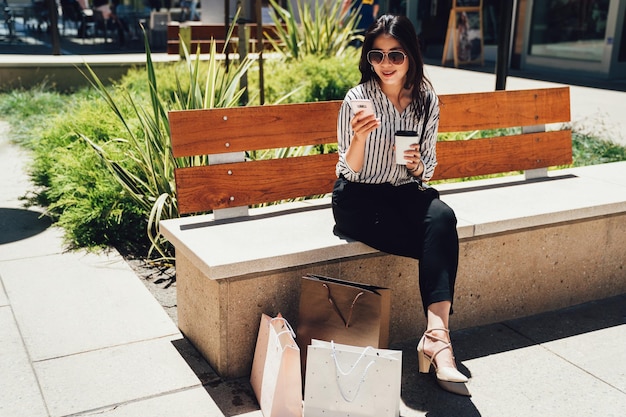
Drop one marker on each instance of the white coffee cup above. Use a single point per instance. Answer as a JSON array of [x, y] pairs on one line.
[[404, 139]]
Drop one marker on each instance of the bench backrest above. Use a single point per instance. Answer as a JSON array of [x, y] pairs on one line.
[[231, 181]]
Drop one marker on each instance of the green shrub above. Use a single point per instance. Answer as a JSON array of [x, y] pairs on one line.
[[90, 205], [589, 150], [310, 79], [34, 108], [71, 181]]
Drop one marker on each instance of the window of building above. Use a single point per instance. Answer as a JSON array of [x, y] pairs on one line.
[[570, 29]]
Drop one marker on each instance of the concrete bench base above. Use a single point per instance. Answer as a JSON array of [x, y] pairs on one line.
[[526, 247]]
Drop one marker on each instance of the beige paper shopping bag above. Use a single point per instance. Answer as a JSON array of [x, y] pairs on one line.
[[276, 376]]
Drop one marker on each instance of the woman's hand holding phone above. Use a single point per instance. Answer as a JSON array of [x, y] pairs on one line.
[[362, 105], [364, 120]]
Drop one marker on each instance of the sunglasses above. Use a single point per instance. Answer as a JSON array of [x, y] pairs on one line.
[[376, 57]]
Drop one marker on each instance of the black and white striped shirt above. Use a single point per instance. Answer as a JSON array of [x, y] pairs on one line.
[[379, 163]]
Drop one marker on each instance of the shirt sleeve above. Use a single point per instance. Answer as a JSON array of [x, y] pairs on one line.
[[344, 136], [429, 145]]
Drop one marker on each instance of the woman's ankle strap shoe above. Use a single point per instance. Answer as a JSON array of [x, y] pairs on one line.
[[449, 378]]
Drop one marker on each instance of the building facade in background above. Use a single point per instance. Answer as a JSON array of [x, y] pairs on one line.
[[586, 37]]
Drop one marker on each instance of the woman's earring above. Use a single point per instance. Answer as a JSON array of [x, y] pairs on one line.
[[372, 67]]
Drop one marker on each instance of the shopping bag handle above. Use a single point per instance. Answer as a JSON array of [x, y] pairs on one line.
[[285, 328], [332, 302], [344, 373], [285, 324], [365, 287]]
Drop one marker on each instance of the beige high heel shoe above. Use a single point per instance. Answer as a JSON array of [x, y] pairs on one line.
[[449, 378]]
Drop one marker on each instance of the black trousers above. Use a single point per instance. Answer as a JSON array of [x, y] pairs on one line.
[[407, 221]]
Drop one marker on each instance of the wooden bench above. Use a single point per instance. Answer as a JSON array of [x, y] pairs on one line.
[[237, 262], [200, 35]]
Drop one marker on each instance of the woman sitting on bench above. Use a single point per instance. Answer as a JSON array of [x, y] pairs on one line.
[[385, 204]]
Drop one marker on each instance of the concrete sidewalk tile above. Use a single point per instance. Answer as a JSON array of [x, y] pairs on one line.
[[514, 377], [106, 377], [78, 302], [510, 376], [14, 180], [4, 301], [533, 381], [194, 402], [19, 391], [591, 336], [35, 239], [234, 397], [601, 353], [422, 396]]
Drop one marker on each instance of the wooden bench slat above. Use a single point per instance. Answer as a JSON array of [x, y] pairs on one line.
[[502, 109], [259, 127], [459, 112], [459, 159], [211, 187]]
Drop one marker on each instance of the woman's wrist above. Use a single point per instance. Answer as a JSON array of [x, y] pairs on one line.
[[416, 171]]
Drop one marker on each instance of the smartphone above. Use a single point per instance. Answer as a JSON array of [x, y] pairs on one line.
[[362, 104]]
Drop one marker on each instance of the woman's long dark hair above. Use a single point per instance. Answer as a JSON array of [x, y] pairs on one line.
[[401, 29]]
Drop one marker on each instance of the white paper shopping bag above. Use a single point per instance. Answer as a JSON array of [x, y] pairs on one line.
[[276, 374], [343, 380]]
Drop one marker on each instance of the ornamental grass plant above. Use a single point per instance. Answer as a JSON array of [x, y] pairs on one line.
[[313, 29], [145, 168]]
